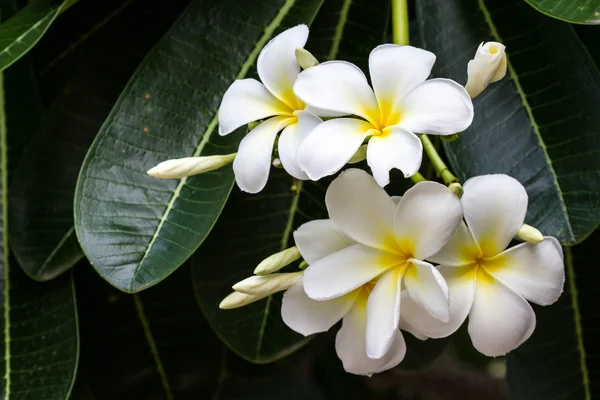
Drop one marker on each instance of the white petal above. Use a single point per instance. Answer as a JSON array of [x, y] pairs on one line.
[[344, 271], [290, 140], [405, 326], [460, 250], [500, 319], [320, 238], [395, 70], [350, 345], [253, 160], [535, 271], [362, 209], [277, 65], [307, 316], [428, 289], [426, 218], [383, 314], [397, 148], [337, 86], [245, 101], [330, 145], [461, 291], [438, 107], [495, 207]]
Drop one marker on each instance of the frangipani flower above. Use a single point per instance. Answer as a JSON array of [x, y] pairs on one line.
[[401, 103], [489, 284], [362, 257], [489, 65], [249, 100]]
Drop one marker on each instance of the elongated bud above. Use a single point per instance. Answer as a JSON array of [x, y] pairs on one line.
[[489, 65], [457, 189], [529, 234], [182, 167], [237, 299], [265, 285], [305, 58], [360, 155], [277, 261]]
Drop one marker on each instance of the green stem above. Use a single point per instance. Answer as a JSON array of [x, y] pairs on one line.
[[416, 178], [439, 165], [400, 25]]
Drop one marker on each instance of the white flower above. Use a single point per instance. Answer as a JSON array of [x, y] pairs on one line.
[[249, 100], [489, 65], [361, 258], [401, 103], [488, 283]]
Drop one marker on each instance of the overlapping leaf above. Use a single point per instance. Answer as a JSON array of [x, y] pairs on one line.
[[540, 123], [579, 12]]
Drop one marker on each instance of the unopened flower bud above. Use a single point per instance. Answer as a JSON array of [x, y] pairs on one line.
[[277, 261], [182, 167], [277, 163], [265, 285], [305, 58], [489, 65], [360, 155], [237, 299], [303, 265], [457, 189], [529, 234]]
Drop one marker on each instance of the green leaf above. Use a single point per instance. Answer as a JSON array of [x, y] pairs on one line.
[[43, 186], [256, 226], [577, 12], [561, 359], [135, 229], [21, 32], [539, 124]]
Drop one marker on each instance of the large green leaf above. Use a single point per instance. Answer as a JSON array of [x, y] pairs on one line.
[[540, 123], [42, 189], [561, 360], [135, 229], [21, 32], [578, 12]]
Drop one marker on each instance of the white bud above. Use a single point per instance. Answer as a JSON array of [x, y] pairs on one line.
[[277, 261], [266, 285], [529, 234], [456, 189], [236, 300], [182, 167], [305, 58], [277, 163], [360, 155], [489, 65]]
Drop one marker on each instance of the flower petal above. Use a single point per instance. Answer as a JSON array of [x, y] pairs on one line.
[[438, 107], [383, 314], [406, 327], [461, 292], [460, 250], [494, 207], [319, 238], [500, 319], [362, 209], [307, 316], [344, 271], [535, 271], [426, 218], [395, 70], [397, 148], [350, 345], [277, 65], [337, 86], [428, 289], [253, 160], [290, 140], [245, 101], [330, 145]]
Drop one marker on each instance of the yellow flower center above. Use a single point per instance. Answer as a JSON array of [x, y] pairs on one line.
[[383, 118]]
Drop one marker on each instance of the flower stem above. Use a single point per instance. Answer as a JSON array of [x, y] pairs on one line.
[[400, 22], [416, 178], [439, 165]]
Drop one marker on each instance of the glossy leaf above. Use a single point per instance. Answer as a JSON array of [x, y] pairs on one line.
[[578, 12], [135, 229], [539, 124], [42, 190], [561, 359], [256, 226]]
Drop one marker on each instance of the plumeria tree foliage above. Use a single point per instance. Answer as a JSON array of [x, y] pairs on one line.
[[298, 198]]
